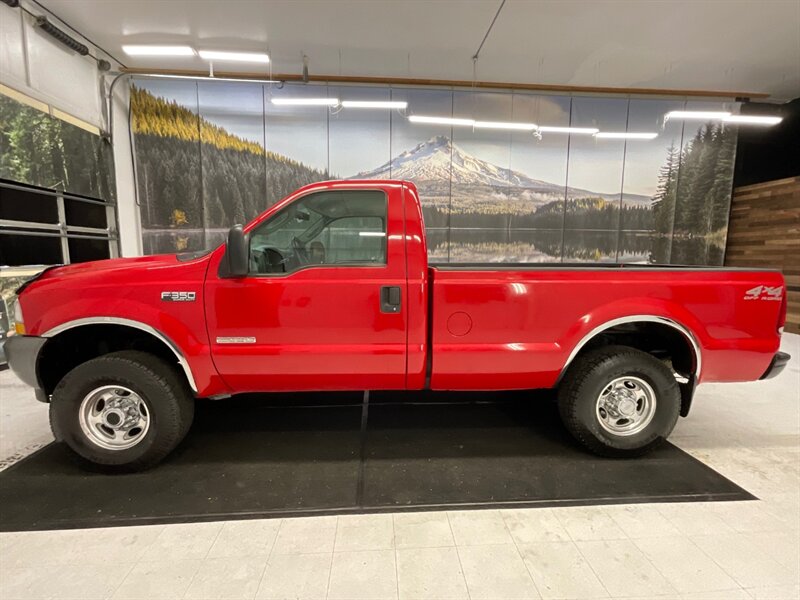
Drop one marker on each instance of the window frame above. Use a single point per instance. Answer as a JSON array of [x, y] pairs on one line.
[[62, 229], [352, 265]]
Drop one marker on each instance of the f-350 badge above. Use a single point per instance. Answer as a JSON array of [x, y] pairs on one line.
[[178, 296]]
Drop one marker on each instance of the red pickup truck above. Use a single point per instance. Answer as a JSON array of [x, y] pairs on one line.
[[330, 289]]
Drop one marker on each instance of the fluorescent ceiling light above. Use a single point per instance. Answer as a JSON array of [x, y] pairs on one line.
[[158, 50], [254, 57], [504, 125], [613, 135], [305, 101], [550, 129], [704, 115], [371, 234], [753, 119], [205, 78], [441, 120], [374, 104]]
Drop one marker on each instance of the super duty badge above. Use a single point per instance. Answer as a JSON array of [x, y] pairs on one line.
[[178, 296]]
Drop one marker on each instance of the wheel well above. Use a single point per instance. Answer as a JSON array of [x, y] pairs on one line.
[[662, 341], [70, 348]]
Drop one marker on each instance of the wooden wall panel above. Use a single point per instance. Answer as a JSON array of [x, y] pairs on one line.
[[764, 231]]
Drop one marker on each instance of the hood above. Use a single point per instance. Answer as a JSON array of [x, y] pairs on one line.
[[114, 266]]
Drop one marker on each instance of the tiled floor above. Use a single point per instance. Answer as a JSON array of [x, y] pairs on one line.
[[748, 432]]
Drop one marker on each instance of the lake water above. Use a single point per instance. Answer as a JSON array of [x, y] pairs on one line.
[[505, 245]]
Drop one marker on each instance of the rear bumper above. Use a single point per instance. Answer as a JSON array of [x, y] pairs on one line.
[[778, 364], [22, 352]]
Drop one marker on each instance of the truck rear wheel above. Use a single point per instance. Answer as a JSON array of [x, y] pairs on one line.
[[124, 410], [618, 401]]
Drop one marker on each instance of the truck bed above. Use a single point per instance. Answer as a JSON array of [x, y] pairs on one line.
[[520, 324], [579, 266]]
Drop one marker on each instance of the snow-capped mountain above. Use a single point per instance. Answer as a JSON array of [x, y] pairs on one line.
[[430, 162]]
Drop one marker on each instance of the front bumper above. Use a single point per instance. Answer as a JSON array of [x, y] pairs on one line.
[[22, 352], [778, 364]]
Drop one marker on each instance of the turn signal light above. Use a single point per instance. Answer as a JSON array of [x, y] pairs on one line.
[[19, 320]]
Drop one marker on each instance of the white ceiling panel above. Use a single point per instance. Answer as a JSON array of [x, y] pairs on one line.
[[744, 45]]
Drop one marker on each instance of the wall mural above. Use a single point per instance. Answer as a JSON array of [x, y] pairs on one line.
[[212, 154]]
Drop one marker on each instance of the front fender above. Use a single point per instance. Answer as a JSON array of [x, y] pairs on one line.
[[132, 297]]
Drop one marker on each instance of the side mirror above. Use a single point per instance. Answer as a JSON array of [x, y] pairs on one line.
[[237, 252]]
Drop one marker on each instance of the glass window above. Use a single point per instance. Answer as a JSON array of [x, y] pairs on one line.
[[86, 249], [21, 205], [85, 214], [345, 228], [30, 249]]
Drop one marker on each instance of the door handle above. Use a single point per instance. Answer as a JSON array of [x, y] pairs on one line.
[[390, 299]]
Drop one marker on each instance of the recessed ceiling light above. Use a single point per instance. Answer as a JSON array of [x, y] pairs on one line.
[[613, 135], [753, 119], [305, 101], [552, 129], [158, 50], [441, 120], [254, 57], [505, 125], [374, 104], [702, 115]]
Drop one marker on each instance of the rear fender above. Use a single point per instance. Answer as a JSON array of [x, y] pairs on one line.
[[637, 310]]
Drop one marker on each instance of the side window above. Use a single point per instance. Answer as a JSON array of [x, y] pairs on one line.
[[336, 228], [351, 240]]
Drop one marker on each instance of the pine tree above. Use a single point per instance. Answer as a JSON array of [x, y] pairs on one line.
[[666, 192], [720, 193], [688, 170]]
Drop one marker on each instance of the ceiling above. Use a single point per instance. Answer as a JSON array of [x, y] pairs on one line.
[[748, 45]]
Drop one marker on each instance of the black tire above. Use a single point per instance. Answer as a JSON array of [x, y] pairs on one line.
[[591, 374], [168, 400]]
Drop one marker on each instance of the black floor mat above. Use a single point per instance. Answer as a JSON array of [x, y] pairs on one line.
[[265, 456]]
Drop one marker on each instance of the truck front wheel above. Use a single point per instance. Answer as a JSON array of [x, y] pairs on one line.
[[618, 401], [125, 410]]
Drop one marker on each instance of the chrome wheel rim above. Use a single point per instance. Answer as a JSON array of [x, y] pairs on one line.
[[626, 406], [114, 417]]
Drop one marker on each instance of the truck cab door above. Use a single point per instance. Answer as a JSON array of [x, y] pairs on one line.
[[323, 306]]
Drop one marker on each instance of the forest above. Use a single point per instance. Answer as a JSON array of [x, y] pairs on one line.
[[577, 213], [694, 185], [194, 174], [41, 150]]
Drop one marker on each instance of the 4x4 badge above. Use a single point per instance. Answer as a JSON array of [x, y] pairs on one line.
[[763, 292]]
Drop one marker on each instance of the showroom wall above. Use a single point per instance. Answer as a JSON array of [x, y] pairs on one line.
[[37, 65], [57, 177], [764, 226], [51, 111], [212, 154]]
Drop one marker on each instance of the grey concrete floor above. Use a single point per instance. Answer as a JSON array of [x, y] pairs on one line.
[[748, 432]]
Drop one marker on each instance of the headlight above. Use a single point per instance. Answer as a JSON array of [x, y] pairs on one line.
[[19, 321]]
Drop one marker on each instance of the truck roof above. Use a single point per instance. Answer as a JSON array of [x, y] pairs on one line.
[[350, 183]]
